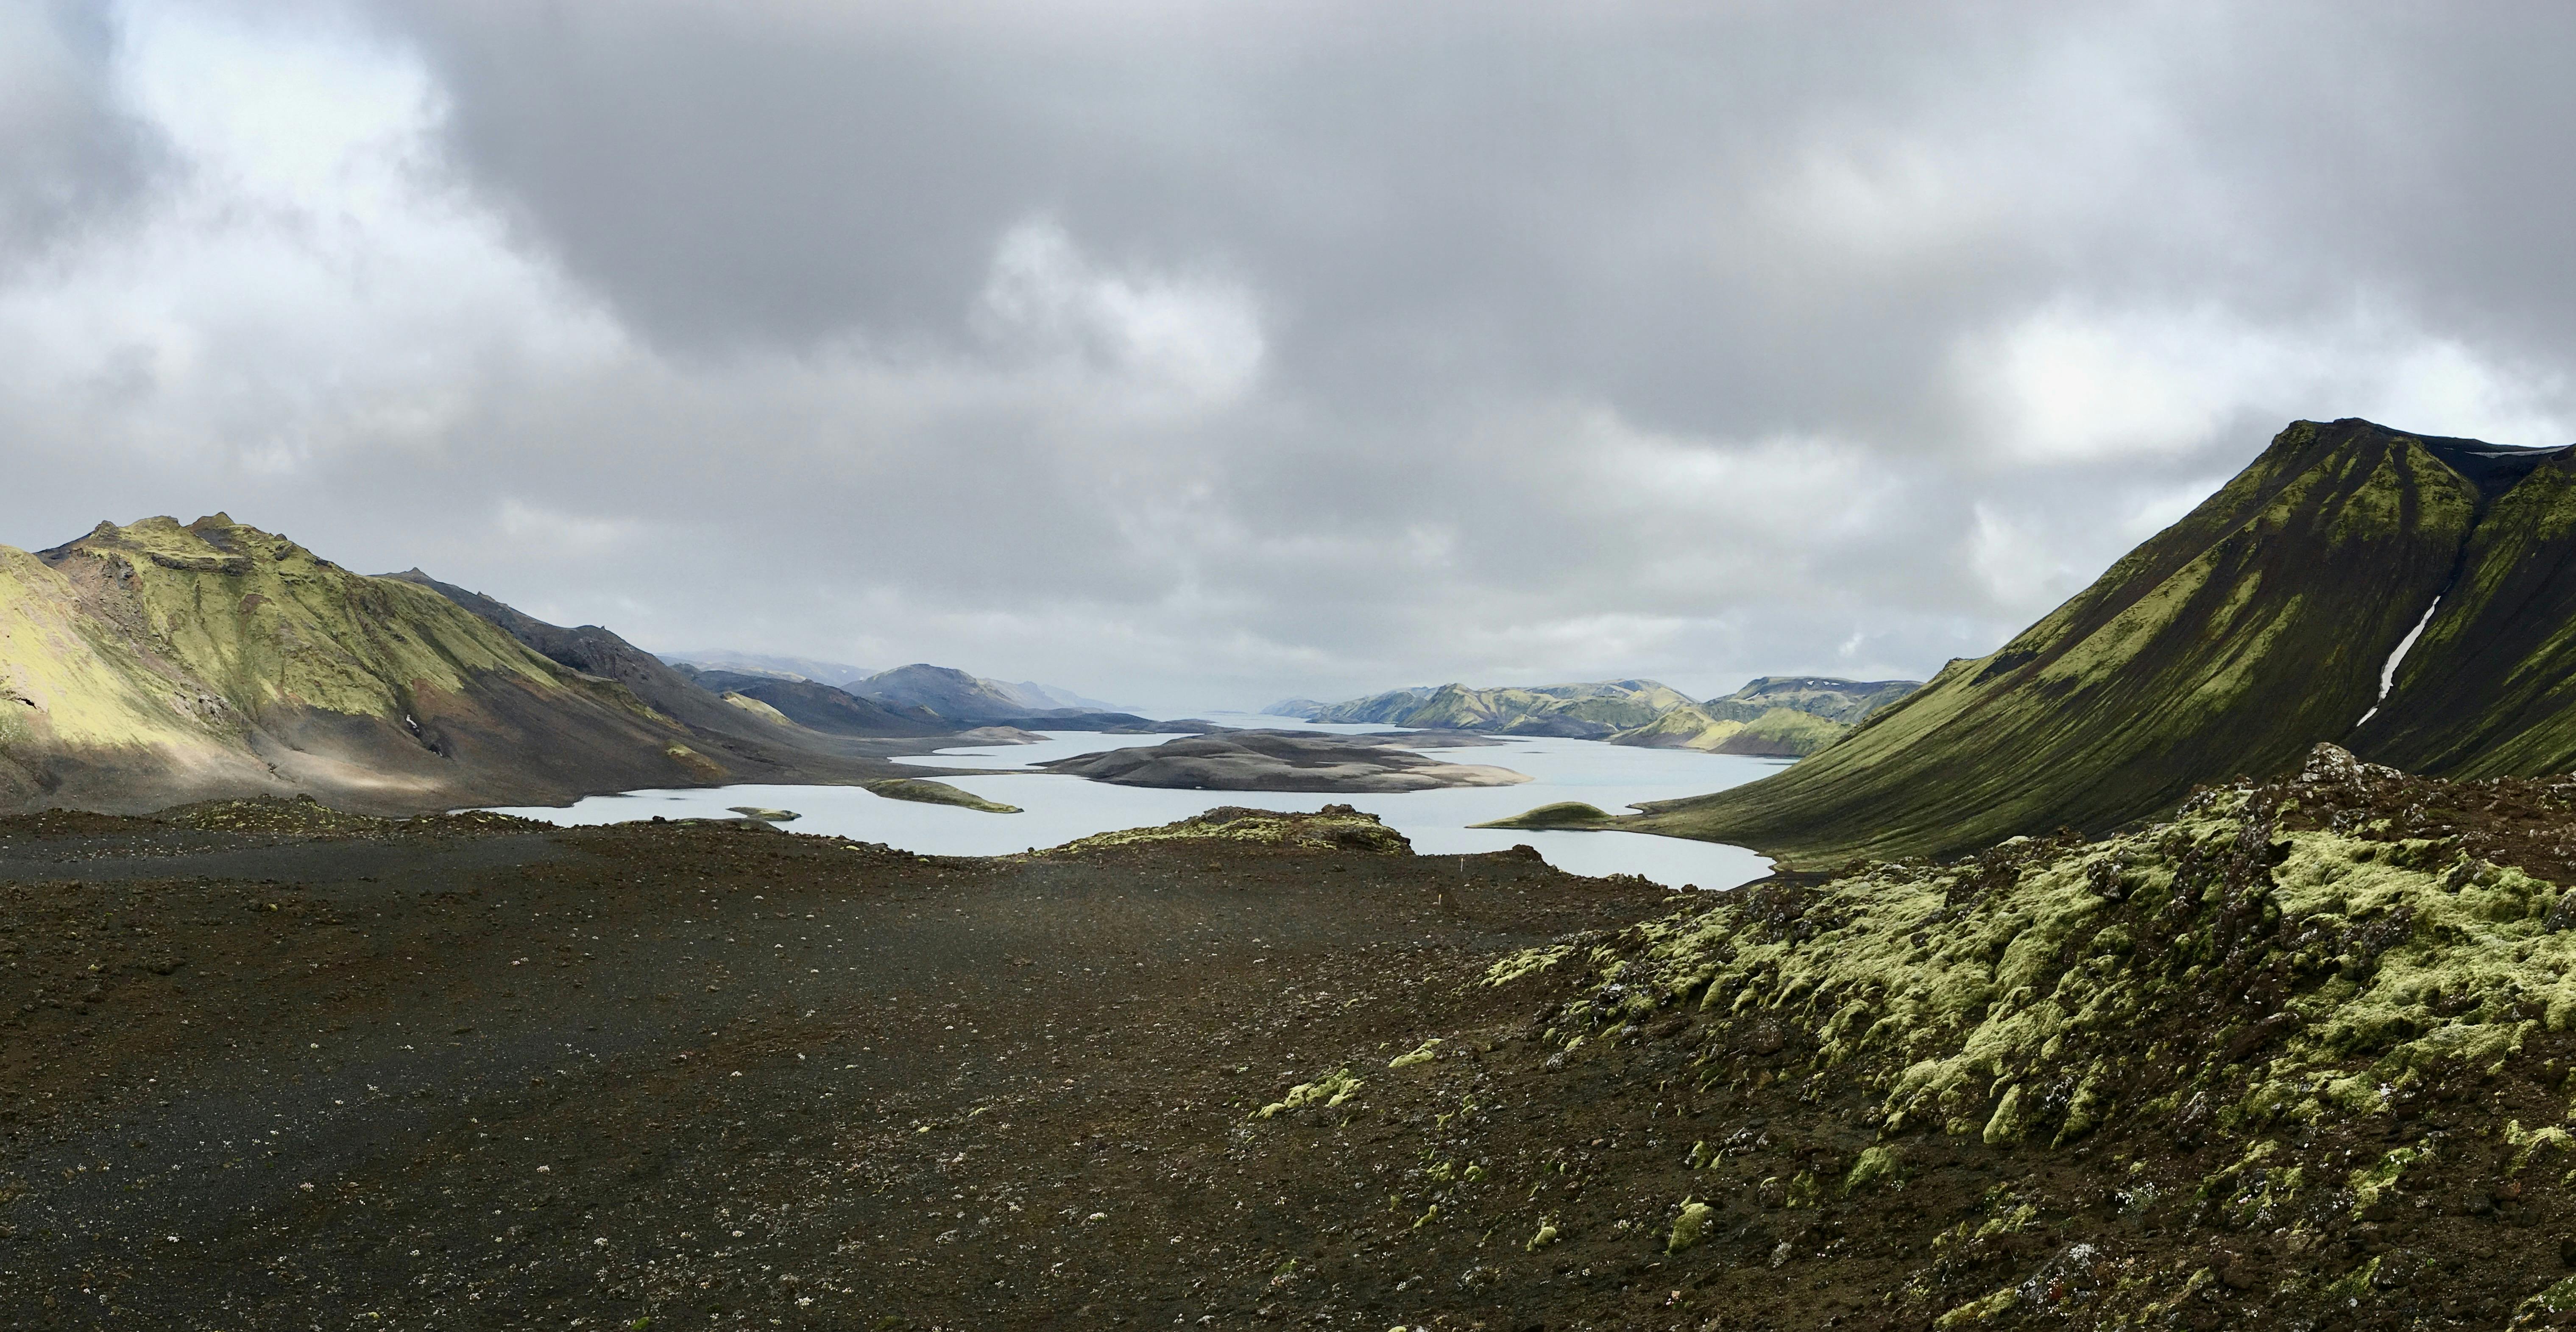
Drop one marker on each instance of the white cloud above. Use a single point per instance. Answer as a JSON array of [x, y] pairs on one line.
[[309, 287], [1180, 341], [2080, 382]]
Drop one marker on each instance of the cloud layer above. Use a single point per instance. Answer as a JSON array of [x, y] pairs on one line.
[[1196, 357]]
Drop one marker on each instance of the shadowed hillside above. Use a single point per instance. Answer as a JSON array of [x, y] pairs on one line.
[[148, 665], [2229, 643]]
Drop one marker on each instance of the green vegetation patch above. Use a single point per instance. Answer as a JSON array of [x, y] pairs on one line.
[[275, 814], [936, 793], [1562, 814], [2012, 994], [1332, 828]]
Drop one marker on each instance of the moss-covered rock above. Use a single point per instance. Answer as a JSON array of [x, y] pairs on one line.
[[1562, 814], [928, 792], [2023, 995], [1332, 828]]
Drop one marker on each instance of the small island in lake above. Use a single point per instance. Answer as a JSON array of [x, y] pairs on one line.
[[1286, 761]]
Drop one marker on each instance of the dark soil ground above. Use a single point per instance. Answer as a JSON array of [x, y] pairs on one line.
[[262, 1066]]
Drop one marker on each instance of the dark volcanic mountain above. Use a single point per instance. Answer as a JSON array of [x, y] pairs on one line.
[[823, 708], [2231, 642], [943, 690], [970, 700]]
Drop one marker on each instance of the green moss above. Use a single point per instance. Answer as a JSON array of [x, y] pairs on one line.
[[1420, 1054], [1996, 996], [757, 708], [1562, 814], [1527, 961], [2380, 1178], [1333, 828], [2529, 1145], [1876, 1165], [1690, 1227], [2560, 1298], [1328, 1091], [928, 792], [1982, 1310]]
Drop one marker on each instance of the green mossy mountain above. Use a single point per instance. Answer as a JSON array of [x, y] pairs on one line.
[[1849, 702], [2255, 627], [155, 664]]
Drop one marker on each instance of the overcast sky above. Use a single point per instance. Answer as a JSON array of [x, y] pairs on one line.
[[1192, 355]]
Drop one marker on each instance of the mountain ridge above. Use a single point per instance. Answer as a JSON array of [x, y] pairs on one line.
[[1771, 716], [156, 663], [2231, 642]]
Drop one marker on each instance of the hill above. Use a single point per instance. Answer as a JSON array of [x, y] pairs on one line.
[[1780, 716], [764, 663], [156, 663], [944, 690], [2258, 625], [821, 707], [1594, 711], [1848, 702], [971, 700]]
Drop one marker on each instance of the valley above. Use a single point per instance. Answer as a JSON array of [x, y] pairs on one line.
[[2111, 980]]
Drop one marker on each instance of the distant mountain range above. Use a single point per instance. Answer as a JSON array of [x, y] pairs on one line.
[[920, 699], [1780, 716], [764, 663], [2406, 596], [918, 683]]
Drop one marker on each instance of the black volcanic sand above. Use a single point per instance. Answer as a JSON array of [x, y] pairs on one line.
[[274, 1068]]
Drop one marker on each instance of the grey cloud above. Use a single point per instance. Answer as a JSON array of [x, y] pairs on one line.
[[1162, 352], [70, 156]]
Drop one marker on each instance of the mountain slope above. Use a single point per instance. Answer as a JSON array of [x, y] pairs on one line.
[[153, 664], [970, 700], [1778, 716], [944, 690], [1773, 733], [2489, 689], [823, 708], [1849, 702], [2228, 643], [1591, 711]]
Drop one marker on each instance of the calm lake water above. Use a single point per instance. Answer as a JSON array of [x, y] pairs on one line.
[[1061, 808]]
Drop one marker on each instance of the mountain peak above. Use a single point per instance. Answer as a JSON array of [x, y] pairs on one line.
[[2492, 468], [2267, 619]]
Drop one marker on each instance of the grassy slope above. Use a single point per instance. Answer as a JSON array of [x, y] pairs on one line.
[[2490, 688], [2227, 643], [2302, 990], [161, 662], [1782, 732], [1847, 701], [1591, 709]]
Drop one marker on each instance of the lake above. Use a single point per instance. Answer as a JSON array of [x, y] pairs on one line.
[[1061, 808]]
